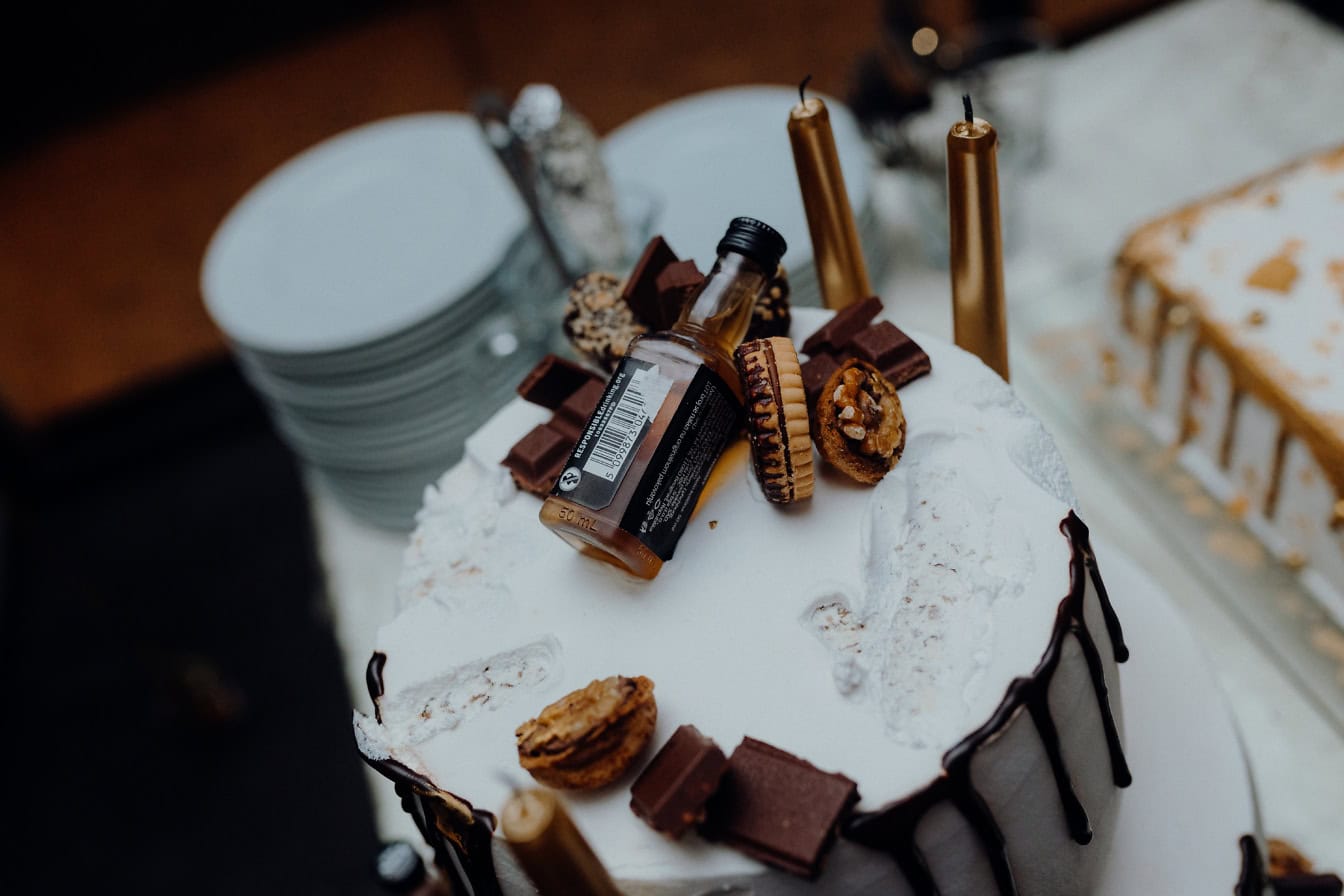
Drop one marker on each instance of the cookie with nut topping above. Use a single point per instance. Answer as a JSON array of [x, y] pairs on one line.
[[598, 322], [589, 737], [860, 427], [777, 425]]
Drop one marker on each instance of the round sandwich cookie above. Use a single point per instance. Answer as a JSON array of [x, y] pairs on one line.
[[589, 737], [777, 425]]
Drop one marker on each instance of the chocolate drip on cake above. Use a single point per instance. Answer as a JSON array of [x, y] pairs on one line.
[[1252, 881], [458, 833], [892, 828], [373, 680]]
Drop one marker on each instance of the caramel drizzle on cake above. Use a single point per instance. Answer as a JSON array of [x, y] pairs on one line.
[[1245, 374], [892, 828], [1145, 257]]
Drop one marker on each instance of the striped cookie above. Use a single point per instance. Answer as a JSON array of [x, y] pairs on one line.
[[781, 445]]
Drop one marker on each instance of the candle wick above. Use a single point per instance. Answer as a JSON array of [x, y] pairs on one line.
[[966, 104], [509, 781], [802, 87]]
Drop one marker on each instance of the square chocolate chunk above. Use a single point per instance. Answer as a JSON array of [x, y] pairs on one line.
[[678, 283], [779, 809], [671, 793], [641, 287], [537, 458], [886, 346], [836, 333], [816, 371], [572, 416], [553, 380]]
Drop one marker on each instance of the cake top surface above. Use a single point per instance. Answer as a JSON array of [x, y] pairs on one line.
[[1265, 265], [867, 630]]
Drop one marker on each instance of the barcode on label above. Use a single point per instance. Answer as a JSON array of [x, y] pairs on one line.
[[623, 429]]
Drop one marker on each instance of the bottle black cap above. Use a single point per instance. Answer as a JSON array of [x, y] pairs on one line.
[[755, 239], [398, 867]]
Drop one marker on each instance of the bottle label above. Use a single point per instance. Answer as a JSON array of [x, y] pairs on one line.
[[614, 433], [707, 417]]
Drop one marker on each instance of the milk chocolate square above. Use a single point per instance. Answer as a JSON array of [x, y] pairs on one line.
[[671, 793], [1307, 885], [779, 809], [677, 284], [572, 416], [836, 333], [553, 380], [536, 459], [886, 346], [816, 371], [641, 287]]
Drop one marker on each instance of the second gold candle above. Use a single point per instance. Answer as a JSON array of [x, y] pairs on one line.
[[975, 245]]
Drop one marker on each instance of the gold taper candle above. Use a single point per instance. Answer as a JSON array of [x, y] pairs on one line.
[[836, 252], [974, 242], [550, 848]]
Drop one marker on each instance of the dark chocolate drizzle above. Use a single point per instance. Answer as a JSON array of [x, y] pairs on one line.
[[1252, 881], [458, 833], [892, 828], [373, 680]]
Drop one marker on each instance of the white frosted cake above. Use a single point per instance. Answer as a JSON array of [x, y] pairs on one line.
[[1228, 333], [941, 638]]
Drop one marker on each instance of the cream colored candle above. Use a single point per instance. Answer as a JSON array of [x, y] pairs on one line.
[[975, 245], [836, 252], [550, 848]]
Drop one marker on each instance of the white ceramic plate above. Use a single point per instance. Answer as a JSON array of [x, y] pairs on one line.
[[715, 155], [1191, 801], [361, 236]]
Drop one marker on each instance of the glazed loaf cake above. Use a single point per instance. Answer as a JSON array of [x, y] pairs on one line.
[[1227, 335]]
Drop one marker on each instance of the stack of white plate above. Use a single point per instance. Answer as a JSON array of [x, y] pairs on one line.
[[359, 287], [383, 292], [712, 156]]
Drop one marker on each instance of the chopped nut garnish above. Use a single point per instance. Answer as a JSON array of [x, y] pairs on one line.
[[861, 424], [876, 432]]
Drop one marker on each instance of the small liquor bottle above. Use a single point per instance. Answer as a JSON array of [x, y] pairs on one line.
[[668, 412]]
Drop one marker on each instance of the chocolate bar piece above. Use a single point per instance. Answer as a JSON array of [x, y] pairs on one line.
[[671, 793], [835, 334], [816, 371], [1307, 885], [553, 380], [641, 287], [537, 459], [572, 416], [885, 346], [677, 284], [778, 809], [573, 393]]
